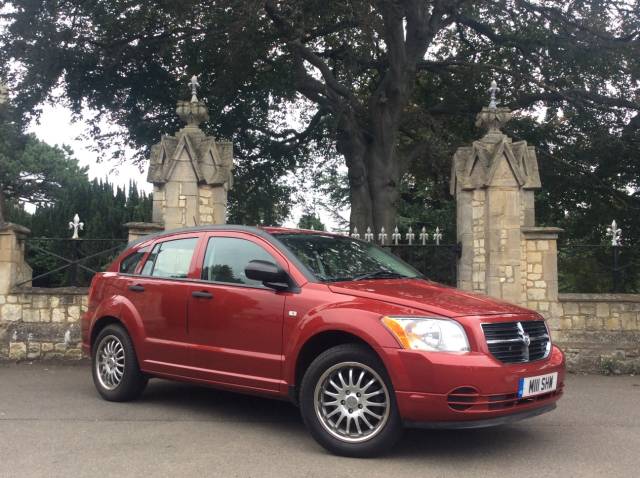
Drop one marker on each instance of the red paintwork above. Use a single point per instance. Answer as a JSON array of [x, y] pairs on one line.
[[244, 338]]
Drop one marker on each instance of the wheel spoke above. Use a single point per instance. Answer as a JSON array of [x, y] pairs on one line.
[[358, 425], [335, 385], [379, 417], [367, 422], [369, 383], [375, 404], [373, 394]]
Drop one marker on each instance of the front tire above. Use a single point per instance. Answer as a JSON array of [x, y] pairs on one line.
[[348, 403], [116, 374]]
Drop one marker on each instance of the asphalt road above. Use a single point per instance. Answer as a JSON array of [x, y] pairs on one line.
[[53, 424]]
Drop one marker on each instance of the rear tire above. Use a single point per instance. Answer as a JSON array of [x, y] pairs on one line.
[[114, 365], [348, 404]]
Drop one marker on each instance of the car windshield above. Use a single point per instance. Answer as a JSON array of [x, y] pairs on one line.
[[335, 258]]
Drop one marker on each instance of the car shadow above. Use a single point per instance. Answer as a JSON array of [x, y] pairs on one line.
[[208, 404]]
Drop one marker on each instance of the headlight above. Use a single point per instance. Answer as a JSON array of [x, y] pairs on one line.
[[425, 333]]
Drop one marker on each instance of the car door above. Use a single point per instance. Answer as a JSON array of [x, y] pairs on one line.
[[235, 323], [159, 296]]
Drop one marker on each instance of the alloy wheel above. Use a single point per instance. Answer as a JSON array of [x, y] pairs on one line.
[[352, 402], [110, 362]]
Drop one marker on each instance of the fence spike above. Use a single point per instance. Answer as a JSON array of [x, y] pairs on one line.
[[368, 236], [424, 235], [382, 236], [76, 225], [437, 236], [615, 232], [410, 236], [396, 236]]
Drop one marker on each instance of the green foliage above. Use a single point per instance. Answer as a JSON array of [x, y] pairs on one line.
[[102, 207], [31, 170], [310, 220]]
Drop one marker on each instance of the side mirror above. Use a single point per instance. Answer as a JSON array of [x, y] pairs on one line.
[[270, 274]]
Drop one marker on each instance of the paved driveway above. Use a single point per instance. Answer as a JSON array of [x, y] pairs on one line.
[[52, 423]]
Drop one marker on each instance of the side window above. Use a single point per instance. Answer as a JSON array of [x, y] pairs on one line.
[[227, 257], [170, 259], [129, 264]]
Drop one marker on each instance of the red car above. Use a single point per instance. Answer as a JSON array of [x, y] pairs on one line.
[[359, 340]]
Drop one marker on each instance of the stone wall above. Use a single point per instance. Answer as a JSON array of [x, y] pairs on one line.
[[41, 323], [599, 332]]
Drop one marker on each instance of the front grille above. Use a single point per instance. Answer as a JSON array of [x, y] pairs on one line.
[[516, 342]]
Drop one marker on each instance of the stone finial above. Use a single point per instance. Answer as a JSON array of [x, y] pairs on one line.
[[492, 91], [493, 119], [194, 85], [192, 112]]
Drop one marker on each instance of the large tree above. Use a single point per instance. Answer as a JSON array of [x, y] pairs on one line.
[[30, 170], [393, 84]]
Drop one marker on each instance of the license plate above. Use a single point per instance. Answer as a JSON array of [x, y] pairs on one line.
[[532, 386]]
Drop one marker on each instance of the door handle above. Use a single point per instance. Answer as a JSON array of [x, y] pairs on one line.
[[136, 288], [202, 294]]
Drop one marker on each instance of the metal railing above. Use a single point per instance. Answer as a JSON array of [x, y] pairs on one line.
[[597, 268], [439, 262], [64, 262]]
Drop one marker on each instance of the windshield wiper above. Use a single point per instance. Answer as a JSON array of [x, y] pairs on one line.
[[381, 273]]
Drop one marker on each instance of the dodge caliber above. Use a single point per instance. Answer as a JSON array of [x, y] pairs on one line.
[[360, 341]]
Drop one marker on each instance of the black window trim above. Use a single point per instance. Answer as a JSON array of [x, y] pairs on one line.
[[254, 231]]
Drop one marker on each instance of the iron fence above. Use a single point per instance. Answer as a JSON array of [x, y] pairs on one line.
[[64, 262], [597, 268], [439, 262]]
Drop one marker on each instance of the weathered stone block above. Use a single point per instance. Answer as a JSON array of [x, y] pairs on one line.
[[58, 315], [73, 313], [612, 324], [602, 309], [33, 350], [11, 312], [30, 315], [17, 351], [570, 308]]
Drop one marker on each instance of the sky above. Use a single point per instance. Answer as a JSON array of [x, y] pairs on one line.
[[56, 126]]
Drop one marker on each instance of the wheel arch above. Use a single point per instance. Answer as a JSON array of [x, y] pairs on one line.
[[314, 346], [103, 322]]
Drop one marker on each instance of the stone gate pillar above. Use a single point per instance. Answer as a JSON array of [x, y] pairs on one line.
[[494, 181], [191, 174], [13, 268]]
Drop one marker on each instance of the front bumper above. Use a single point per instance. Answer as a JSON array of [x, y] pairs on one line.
[[441, 390]]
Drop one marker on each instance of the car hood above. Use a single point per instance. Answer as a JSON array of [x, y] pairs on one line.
[[426, 295]]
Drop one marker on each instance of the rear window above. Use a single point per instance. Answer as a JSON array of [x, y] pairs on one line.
[[129, 264]]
